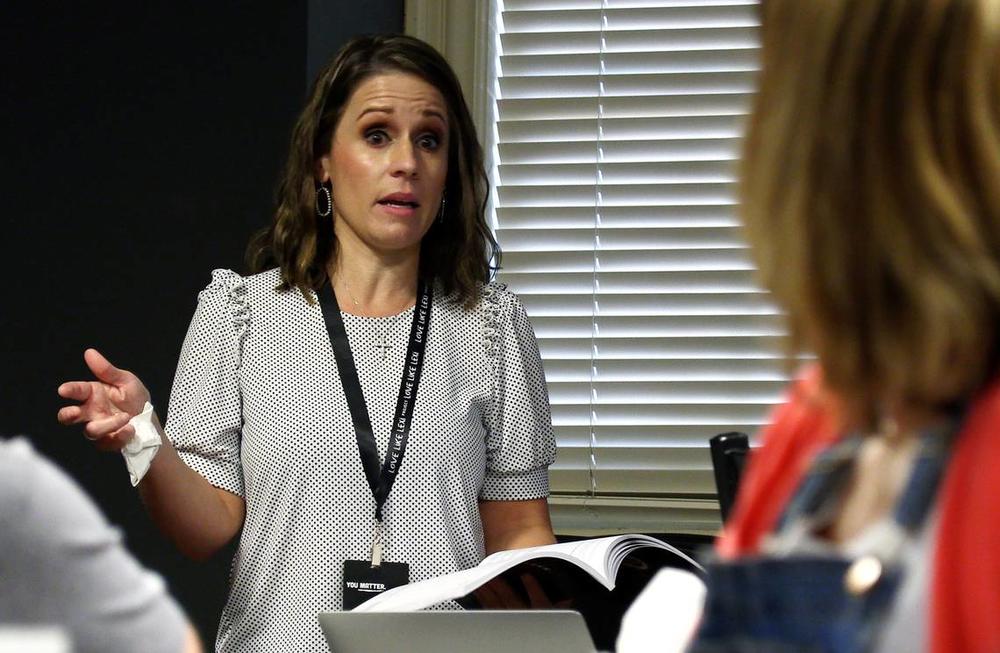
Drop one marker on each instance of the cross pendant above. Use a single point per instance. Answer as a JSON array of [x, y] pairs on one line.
[[384, 346]]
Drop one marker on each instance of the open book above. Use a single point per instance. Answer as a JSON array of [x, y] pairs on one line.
[[599, 578], [601, 558]]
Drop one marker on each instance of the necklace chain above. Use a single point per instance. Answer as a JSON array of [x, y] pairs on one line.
[[383, 344], [354, 299]]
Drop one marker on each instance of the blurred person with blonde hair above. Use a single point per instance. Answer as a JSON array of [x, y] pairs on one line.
[[870, 196]]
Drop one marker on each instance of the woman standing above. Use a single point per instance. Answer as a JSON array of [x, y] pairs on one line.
[[368, 397]]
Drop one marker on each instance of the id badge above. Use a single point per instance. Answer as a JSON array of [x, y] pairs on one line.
[[362, 581]]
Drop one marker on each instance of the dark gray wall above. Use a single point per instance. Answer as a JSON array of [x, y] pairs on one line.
[[140, 147], [333, 22]]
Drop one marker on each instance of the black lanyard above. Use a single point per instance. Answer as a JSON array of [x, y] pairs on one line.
[[380, 481]]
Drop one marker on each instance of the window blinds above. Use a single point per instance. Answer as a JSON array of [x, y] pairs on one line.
[[616, 129]]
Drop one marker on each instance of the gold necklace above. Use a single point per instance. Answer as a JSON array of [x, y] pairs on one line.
[[354, 299]]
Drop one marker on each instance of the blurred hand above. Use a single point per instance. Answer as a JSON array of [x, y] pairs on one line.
[[518, 592], [105, 405]]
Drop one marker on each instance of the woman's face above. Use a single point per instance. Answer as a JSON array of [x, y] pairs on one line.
[[388, 163]]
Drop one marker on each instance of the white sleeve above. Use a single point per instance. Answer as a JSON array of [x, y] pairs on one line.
[[520, 443], [205, 416]]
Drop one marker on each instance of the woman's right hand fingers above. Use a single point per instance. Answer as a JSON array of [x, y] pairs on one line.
[[116, 440], [75, 390], [93, 399], [124, 390], [69, 415], [104, 406], [76, 413], [109, 433], [104, 370], [106, 426]]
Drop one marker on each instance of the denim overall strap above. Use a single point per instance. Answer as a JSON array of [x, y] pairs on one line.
[[915, 503], [827, 477], [833, 468], [807, 602]]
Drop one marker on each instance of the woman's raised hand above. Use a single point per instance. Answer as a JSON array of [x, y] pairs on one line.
[[105, 405]]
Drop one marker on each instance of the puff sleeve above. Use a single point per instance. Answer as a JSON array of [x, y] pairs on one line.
[[520, 443], [205, 414]]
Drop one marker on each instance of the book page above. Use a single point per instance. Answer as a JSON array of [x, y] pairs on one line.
[[625, 545], [589, 555]]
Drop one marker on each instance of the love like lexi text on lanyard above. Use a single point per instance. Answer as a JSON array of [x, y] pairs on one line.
[[379, 480]]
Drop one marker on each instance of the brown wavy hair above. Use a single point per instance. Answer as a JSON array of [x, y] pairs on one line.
[[458, 250], [870, 192]]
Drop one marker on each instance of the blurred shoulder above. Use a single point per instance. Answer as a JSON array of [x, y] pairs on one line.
[[31, 484], [19, 461]]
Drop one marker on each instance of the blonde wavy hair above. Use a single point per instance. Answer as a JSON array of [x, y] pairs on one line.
[[870, 193]]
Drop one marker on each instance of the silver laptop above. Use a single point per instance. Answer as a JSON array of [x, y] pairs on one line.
[[436, 631]]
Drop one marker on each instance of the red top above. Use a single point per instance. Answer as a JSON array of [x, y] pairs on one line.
[[965, 585]]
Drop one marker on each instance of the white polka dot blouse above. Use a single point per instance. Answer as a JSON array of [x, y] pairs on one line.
[[257, 408]]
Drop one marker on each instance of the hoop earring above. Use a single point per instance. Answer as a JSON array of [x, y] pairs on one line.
[[444, 201], [324, 200]]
